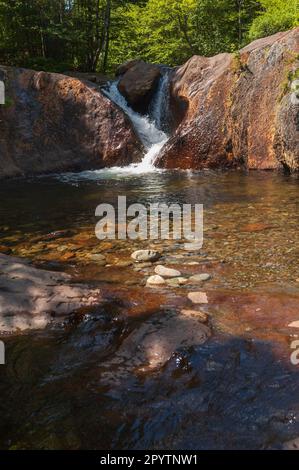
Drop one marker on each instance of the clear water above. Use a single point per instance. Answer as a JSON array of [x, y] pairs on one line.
[[239, 390]]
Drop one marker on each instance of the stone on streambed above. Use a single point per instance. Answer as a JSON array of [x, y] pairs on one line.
[[166, 272], [200, 316], [97, 258], [176, 281], [294, 324], [145, 255], [291, 445], [198, 297], [155, 281], [152, 344], [123, 264], [200, 277], [141, 266], [31, 297], [5, 249]]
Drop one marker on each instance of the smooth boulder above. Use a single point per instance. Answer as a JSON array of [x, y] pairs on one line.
[[237, 110], [31, 298], [138, 84], [145, 255], [166, 272], [55, 123], [155, 281]]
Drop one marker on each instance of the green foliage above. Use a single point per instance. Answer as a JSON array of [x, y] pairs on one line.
[[98, 35], [8, 102], [276, 15]]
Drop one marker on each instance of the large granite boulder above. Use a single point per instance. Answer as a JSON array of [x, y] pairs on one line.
[[31, 298], [138, 83], [236, 110], [54, 123]]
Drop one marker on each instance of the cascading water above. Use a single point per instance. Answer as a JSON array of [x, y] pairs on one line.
[[148, 130], [158, 110]]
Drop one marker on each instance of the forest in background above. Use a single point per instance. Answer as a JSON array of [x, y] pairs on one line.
[[98, 35]]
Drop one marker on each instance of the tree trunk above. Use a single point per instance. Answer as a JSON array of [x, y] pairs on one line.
[[107, 34]]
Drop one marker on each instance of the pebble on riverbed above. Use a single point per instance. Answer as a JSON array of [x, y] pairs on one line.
[[200, 277], [97, 258], [201, 316], [176, 281], [155, 281], [166, 272], [198, 297], [145, 255]]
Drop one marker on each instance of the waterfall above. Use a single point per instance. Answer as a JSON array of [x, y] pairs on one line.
[[148, 128], [159, 106]]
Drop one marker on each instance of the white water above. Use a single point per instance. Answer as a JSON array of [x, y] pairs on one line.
[[147, 128], [152, 138], [160, 103]]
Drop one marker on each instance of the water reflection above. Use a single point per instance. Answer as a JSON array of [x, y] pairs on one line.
[[238, 390]]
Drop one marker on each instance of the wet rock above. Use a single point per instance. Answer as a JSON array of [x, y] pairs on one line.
[[123, 264], [294, 324], [200, 316], [236, 110], [97, 257], [31, 297], [153, 344], [67, 256], [59, 123], [138, 83], [198, 297], [140, 266], [292, 445], [200, 277], [155, 281], [5, 249], [176, 281], [123, 68], [166, 272], [145, 255]]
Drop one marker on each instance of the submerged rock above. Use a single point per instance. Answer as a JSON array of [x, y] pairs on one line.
[[57, 123], [166, 272], [200, 277], [145, 255], [31, 297], [176, 281], [237, 109], [97, 258], [198, 297], [151, 345], [155, 281], [200, 316]]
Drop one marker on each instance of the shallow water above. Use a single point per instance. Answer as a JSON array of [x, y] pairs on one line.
[[238, 390]]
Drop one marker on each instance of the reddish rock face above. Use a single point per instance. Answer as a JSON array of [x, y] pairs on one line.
[[55, 123], [138, 83], [123, 68], [237, 110]]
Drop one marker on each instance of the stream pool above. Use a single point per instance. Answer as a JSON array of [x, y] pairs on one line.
[[238, 390]]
